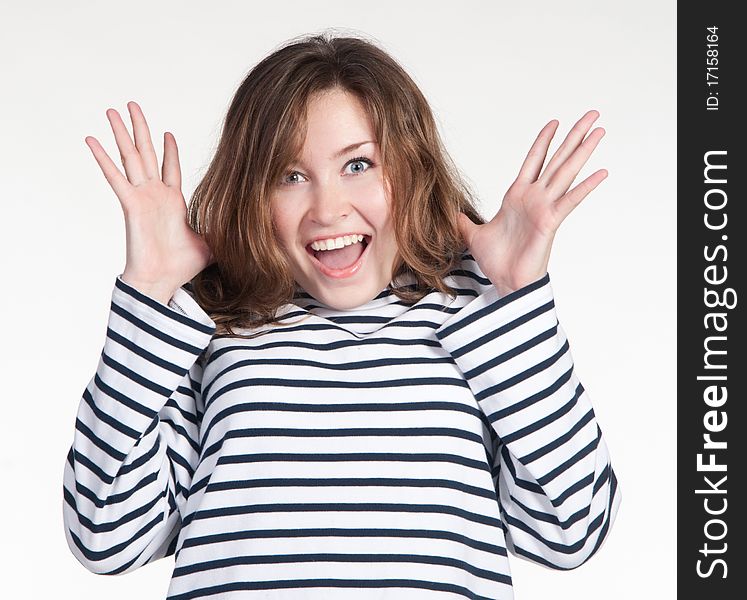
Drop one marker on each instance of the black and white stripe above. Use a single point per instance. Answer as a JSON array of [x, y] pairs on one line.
[[394, 450], [557, 489]]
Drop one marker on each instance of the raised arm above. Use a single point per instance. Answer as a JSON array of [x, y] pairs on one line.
[[136, 444], [557, 490]]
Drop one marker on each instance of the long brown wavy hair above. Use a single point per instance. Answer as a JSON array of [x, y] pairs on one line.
[[263, 132]]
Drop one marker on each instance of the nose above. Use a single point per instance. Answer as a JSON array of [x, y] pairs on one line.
[[329, 204]]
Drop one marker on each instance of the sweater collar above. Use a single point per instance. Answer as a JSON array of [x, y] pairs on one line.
[[366, 318]]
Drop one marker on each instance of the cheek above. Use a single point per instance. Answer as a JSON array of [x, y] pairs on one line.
[[282, 222], [388, 201], [377, 202]]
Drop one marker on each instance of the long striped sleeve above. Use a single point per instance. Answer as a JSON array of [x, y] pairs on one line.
[[135, 446], [557, 491]]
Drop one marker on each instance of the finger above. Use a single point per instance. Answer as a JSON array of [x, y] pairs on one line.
[[573, 198], [570, 143], [532, 165], [564, 176], [113, 175], [128, 154], [171, 172], [143, 141]]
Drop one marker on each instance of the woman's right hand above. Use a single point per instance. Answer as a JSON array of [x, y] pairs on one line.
[[163, 251]]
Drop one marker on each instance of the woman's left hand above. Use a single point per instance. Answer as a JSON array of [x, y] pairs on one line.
[[513, 249]]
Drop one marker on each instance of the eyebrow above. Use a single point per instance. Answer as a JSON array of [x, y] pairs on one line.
[[347, 149]]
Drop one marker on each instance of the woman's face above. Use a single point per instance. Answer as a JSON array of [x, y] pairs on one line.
[[336, 191]]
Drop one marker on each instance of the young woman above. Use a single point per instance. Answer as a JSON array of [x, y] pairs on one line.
[[331, 375]]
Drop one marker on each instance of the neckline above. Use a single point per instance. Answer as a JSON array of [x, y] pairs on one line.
[[366, 318]]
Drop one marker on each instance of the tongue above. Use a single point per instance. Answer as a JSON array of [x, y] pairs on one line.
[[340, 257]]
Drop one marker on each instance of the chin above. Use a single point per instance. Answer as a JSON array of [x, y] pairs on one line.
[[340, 292]]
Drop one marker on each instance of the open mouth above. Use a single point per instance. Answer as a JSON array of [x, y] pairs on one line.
[[340, 262]]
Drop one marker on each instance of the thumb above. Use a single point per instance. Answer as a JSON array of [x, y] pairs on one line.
[[466, 228]]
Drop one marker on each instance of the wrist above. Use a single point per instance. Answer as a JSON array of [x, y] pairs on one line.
[[157, 291], [508, 287]]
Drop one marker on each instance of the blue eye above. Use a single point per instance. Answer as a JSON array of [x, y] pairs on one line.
[[358, 163]]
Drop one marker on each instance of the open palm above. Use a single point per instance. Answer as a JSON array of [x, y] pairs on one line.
[[163, 251], [513, 248]]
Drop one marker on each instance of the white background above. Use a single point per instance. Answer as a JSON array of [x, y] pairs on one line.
[[494, 72]]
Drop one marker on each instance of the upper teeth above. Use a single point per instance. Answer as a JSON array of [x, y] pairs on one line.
[[340, 242]]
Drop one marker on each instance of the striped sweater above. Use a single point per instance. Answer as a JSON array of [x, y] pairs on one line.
[[393, 450]]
